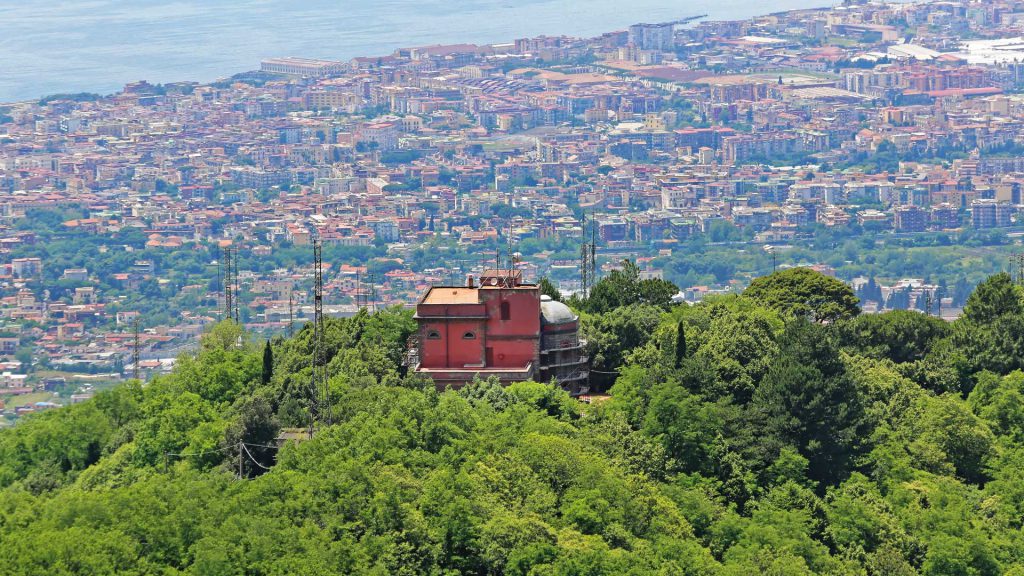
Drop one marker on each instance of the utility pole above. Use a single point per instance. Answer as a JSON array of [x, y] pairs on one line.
[[240, 461]]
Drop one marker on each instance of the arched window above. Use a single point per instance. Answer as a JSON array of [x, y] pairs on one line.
[[469, 336], [433, 335]]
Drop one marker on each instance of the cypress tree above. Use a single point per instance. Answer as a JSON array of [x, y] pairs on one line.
[[268, 363], [680, 344]]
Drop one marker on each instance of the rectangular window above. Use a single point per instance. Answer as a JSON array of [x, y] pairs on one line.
[[506, 311]]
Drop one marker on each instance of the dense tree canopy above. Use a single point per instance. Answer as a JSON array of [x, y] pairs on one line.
[[804, 292], [624, 287], [740, 438]]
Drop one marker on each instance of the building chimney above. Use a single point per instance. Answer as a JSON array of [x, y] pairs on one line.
[[469, 281]]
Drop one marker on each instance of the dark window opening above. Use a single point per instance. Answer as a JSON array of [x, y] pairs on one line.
[[469, 336], [433, 335], [506, 311]]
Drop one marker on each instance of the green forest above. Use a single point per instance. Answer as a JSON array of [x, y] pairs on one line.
[[776, 432]]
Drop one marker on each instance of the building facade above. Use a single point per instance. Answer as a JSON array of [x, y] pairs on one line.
[[501, 327], [989, 213]]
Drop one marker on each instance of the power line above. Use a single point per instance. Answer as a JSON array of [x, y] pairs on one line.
[[242, 450], [261, 445], [216, 450], [190, 454], [252, 458]]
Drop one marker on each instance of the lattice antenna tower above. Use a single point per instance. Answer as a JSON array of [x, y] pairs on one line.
[[226, 282], [593, 253], [319, 401], [584, 257], [220, 275], [373, 293], [291, 313], [359, 290], [588, 257], [236, 293], [136, 350], [511, 255]]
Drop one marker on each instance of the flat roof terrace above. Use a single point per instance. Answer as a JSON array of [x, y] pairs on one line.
[[451, 295]]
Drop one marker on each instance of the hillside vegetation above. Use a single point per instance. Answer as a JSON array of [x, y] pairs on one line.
[[777, 432]]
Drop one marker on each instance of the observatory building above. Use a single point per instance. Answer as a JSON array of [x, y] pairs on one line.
[[500, 327]]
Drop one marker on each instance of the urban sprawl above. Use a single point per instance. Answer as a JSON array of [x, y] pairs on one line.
[[423, 166]]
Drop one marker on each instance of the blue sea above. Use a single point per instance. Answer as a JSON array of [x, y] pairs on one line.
[[58, 46]]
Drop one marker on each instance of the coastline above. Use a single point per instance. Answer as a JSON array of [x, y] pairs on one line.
[[200, 56]]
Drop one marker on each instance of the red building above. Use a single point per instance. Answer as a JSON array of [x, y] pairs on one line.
[[502, 328]]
